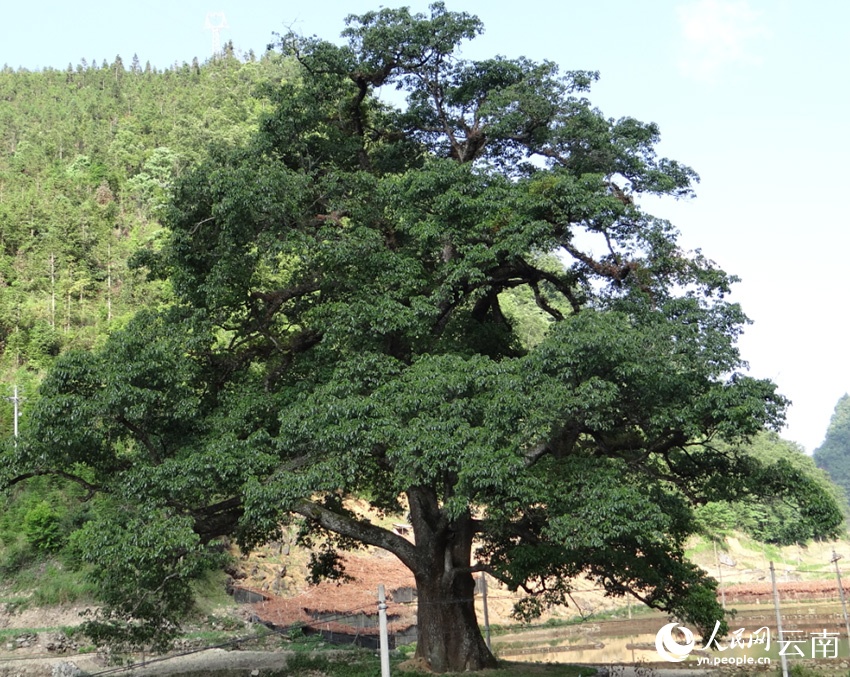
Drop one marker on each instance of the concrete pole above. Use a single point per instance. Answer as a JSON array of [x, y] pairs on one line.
[[382, 624], [486, 612], [835, 558], [15, 400], [778, 619], [720, 577]]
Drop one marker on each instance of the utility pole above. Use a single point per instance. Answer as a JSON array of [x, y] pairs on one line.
[[778, 619], [53, 291], [834, 560], [719, 577], [382, 625], [16, 399], [486, 611], [109, 282]]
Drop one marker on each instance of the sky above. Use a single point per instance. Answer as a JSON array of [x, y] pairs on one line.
[[753, 94]]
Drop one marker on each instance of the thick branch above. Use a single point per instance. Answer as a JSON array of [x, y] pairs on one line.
[[275, 299], [359, 530], [536, 453], [560, 443], [219, 519], [363, 90], [543, 304], [142, 436], [618, 273], [88, 486]]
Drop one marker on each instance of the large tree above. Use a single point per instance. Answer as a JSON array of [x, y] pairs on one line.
[[340, 333]]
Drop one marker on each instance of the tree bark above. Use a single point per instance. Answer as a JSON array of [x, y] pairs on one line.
[[449, 637]]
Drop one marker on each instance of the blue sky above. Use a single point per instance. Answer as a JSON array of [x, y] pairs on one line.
[[753, 94]]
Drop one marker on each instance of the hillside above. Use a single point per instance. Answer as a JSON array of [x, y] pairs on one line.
[[87, 156], [87, 159]]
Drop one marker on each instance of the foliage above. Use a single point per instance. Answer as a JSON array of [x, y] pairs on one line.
[[795, 517], [41, 527], [151, 560], [338, 332], [87, 159], [35, 523], [833, 455]]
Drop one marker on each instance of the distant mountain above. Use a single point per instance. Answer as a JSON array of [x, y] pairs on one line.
[[834, 454]]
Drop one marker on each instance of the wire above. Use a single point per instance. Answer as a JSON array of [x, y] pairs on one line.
[[123, 668]]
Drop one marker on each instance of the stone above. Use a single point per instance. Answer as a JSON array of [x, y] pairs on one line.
[[66, 670]]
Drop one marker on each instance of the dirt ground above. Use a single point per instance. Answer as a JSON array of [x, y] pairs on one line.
[[41, 617], [210, 662]]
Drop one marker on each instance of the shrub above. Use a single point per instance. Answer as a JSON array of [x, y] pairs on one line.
[[42, 527]]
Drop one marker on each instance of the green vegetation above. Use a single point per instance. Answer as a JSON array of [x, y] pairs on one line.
[[87, 160], [348, 300], [34, 529], [516, 669], [365, 664], [833, 455], [773, 519]]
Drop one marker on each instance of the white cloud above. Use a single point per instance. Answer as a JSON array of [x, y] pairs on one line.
[[717, 34]]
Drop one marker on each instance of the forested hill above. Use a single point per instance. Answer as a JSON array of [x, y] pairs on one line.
[[86, 159]]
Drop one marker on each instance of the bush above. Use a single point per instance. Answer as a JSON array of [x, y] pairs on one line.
[[42, 527]]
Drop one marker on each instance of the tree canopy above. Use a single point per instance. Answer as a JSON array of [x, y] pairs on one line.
[[339, 331], [779, 519]]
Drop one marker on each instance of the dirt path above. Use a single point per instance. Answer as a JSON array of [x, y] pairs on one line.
[[208, 663]]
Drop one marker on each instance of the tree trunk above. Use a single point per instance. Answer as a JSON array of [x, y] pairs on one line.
[[440, 559], [449, 636]]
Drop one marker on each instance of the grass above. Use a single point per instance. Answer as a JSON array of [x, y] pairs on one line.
[[46, 582], [210, 594], [59, 586], [14, 604], [362, 663], [701, 546], [355, 664], [825, 569], [511, 669], [618, 613], [11, 633]]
